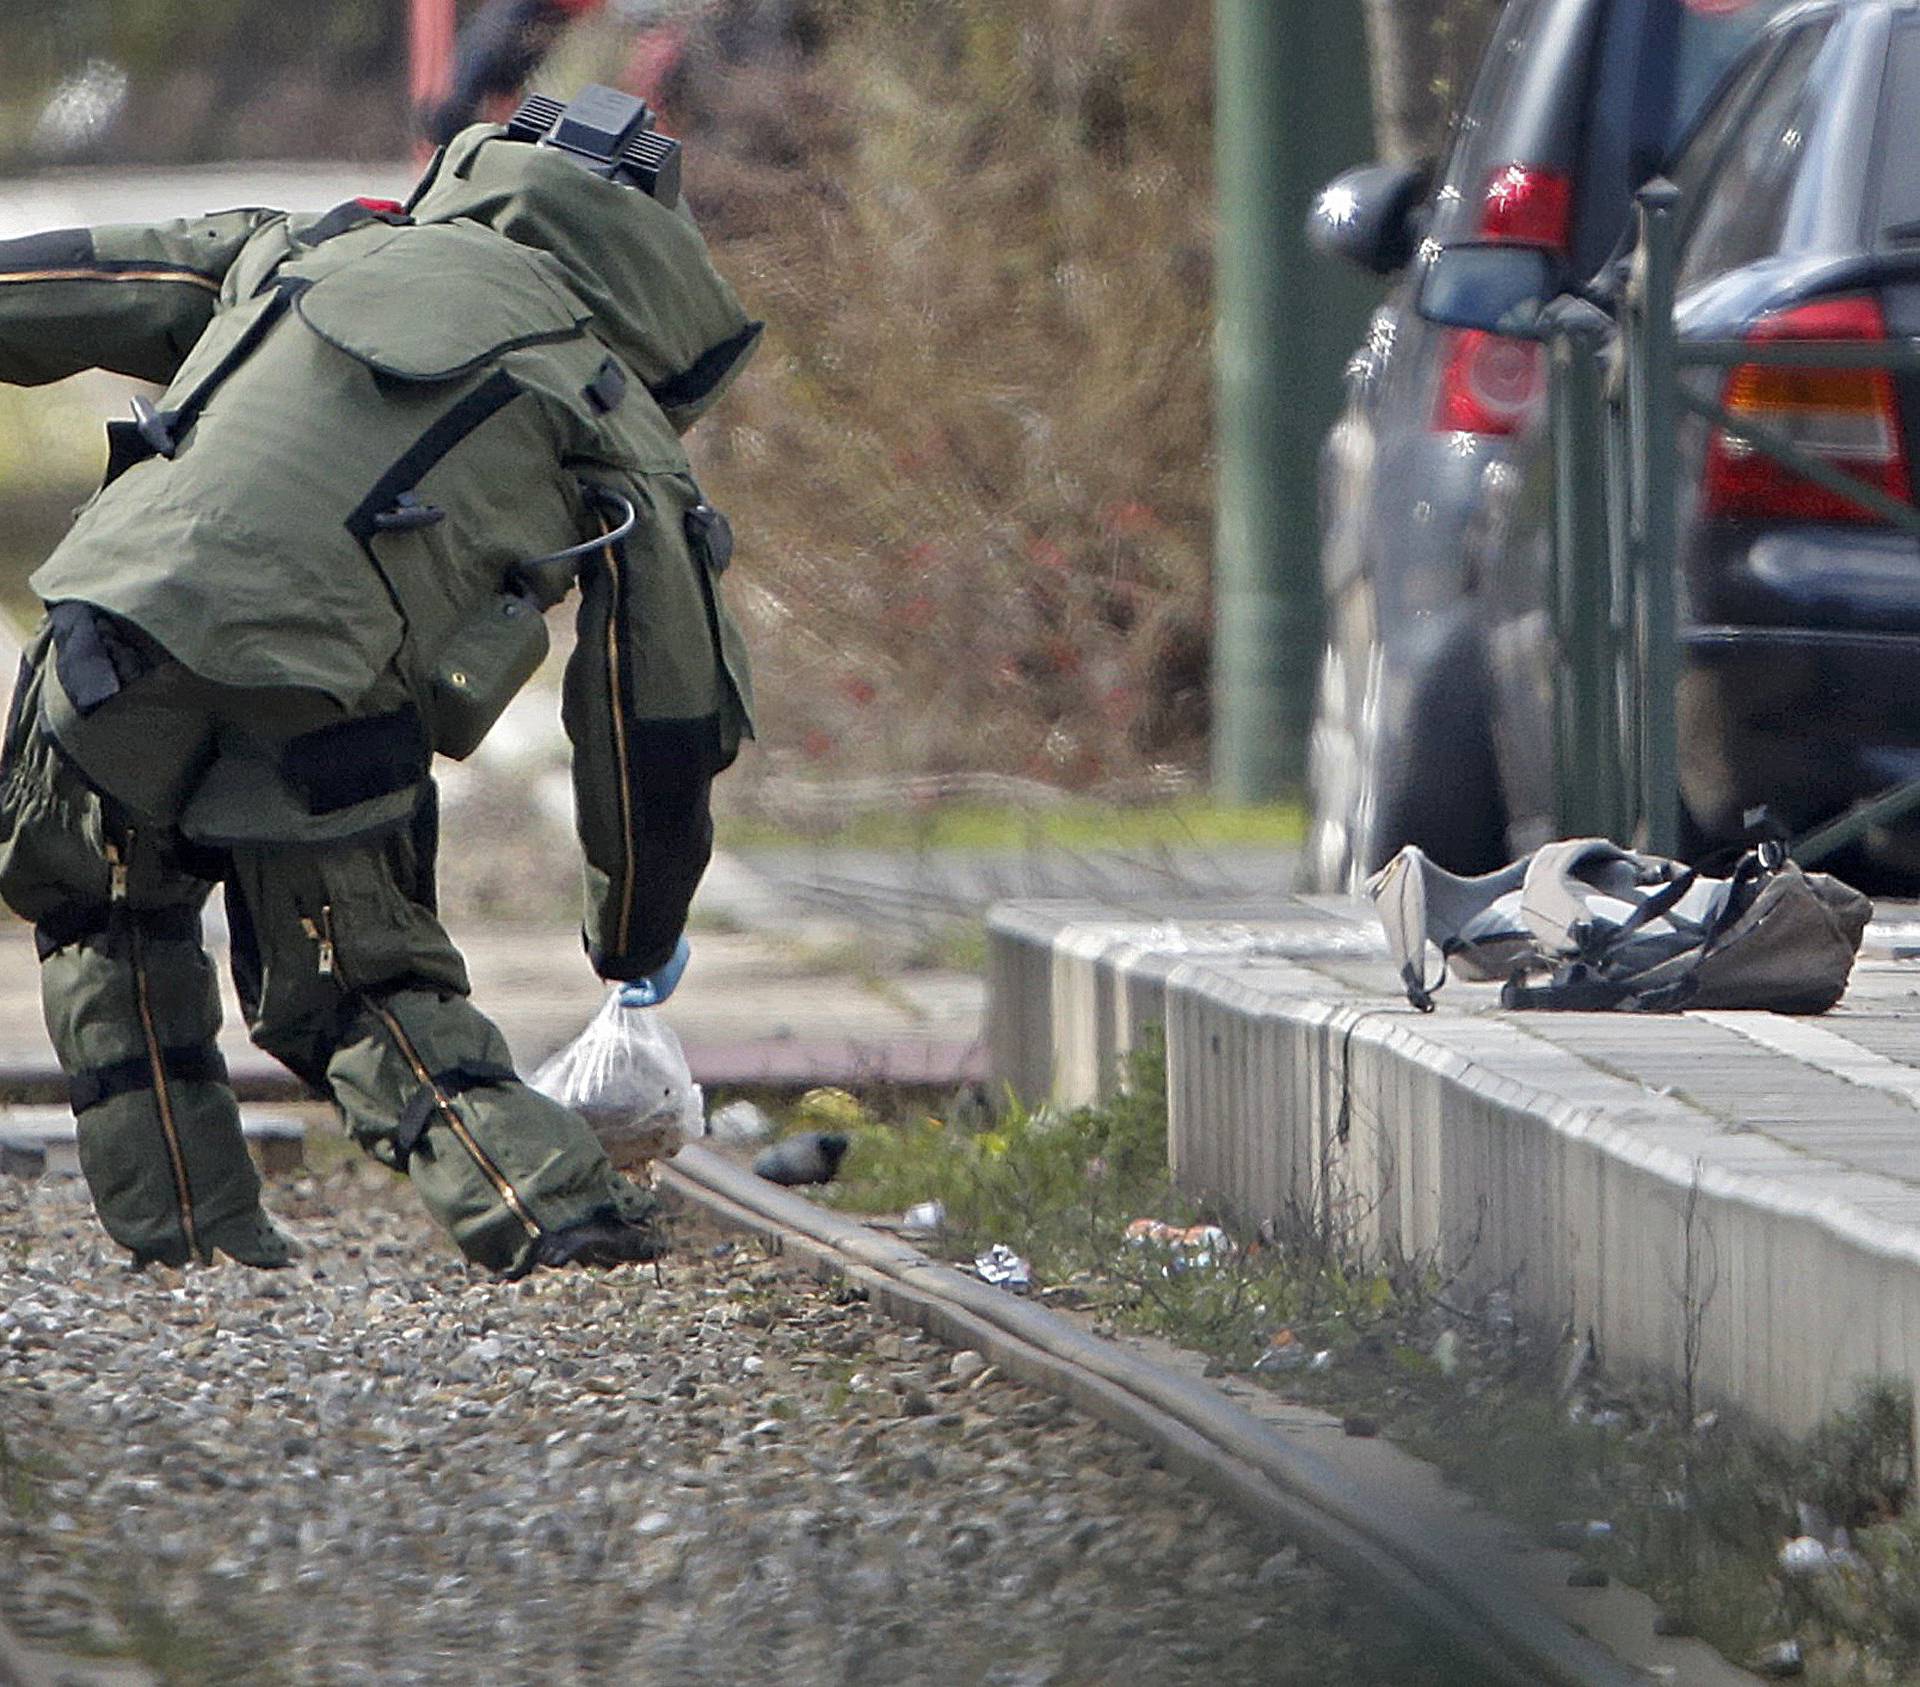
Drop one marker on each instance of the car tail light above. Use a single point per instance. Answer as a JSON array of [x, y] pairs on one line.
[[1489, 383], [1527, 205], [1849, 418]]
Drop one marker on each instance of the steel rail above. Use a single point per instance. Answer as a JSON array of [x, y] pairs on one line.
[[1195, 1429]]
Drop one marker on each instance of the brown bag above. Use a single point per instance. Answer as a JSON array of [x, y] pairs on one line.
[[1610, 928]]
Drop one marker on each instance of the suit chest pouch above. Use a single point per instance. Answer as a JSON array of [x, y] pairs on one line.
[[480, 669]]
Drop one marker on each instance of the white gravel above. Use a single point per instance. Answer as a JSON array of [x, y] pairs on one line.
[[381, 1467]]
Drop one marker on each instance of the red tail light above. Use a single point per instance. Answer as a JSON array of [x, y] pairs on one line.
[[1488, 383], [1849, 418], [1529, 206]]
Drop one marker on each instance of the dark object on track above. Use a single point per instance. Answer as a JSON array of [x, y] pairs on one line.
[[813, 1157]]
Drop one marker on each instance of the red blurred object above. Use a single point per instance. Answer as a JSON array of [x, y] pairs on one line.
[[1849, 418], [1490, 383], [1129, 517], [916, 613], [382, 207], [858, 691], [1528, 206], [429, 55], [651, 65]]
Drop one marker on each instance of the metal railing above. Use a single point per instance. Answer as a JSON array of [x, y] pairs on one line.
[[1616, 395]]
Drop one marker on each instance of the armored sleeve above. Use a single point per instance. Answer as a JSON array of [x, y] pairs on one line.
[[132, 299], [655, 703]]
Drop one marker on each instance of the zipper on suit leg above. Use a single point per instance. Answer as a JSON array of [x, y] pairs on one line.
[[622, 771], [163, 1097], [322, 933]]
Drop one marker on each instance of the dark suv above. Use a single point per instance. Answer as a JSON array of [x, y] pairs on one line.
[[1576, 104], [1800, 607]]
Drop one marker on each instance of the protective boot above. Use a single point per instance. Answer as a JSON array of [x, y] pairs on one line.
[[133, 1010], [605, 1239], [348, 977]]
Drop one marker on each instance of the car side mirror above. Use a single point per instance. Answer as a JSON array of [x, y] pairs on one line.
[[1499, 288], [1367, 215]]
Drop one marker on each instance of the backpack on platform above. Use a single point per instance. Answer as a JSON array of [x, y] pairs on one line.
[[1584, 925]]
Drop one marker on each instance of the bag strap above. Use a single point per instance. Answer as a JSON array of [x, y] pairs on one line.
[[1608, 938], [1577, 988]]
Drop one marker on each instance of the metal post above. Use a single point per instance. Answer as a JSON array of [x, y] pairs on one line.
[[1587, 734], [1290, 112], [1659, 619]]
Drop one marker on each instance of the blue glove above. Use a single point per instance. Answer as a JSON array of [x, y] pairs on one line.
[[658, 985]]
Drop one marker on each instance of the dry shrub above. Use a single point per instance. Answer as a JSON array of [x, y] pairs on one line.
[[970, 466]]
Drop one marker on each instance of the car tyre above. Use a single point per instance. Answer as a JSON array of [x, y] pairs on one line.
[[1430, 775]]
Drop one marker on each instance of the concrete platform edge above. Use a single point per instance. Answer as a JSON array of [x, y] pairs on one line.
[[1463, 1138]]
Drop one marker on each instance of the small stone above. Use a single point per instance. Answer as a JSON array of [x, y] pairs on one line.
[[1360, 1424], [653, 1523], [1780, 1661], [968, 1544], [1803, 1556], [738, 1125], [1283, 1567], [966, 1365], [1675, 1623]]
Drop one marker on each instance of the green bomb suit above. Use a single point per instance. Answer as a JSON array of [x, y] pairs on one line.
[[306, 574]]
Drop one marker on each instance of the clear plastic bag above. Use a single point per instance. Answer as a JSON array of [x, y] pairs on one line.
[[626, 1075]]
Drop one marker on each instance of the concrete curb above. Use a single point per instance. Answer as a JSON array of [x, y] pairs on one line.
[[1559, 1158], [1196, 1429]]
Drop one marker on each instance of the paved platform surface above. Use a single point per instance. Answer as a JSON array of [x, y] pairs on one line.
[[756, 1008]]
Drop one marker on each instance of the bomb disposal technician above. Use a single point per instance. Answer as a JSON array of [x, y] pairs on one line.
[[389, 439]]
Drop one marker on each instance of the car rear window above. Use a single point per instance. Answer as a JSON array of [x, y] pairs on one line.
[[1898, 142], [1713, 33], [1737, 188]]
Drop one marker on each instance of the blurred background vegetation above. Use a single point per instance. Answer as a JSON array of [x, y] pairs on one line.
[[971, 466]]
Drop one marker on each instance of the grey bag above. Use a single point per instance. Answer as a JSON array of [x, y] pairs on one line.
[[1584, 924]]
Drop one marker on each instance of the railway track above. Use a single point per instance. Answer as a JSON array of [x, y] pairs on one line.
[[1450, 1581]]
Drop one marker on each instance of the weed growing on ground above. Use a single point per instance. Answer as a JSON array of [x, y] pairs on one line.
[[1061, 1185], [1693, 1506]]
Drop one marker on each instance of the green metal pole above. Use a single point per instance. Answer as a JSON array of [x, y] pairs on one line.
[[1291, 111], [1659, 620], [1587, 740]]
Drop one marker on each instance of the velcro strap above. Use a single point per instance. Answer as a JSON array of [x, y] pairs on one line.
[[355, 213], [411, 1128], [75, 923], [351, 761], [198, 1063], [92, 655], [607, 388], [711, 535]]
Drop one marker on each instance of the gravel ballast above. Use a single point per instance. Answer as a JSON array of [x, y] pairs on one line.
[[382, 1467]]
